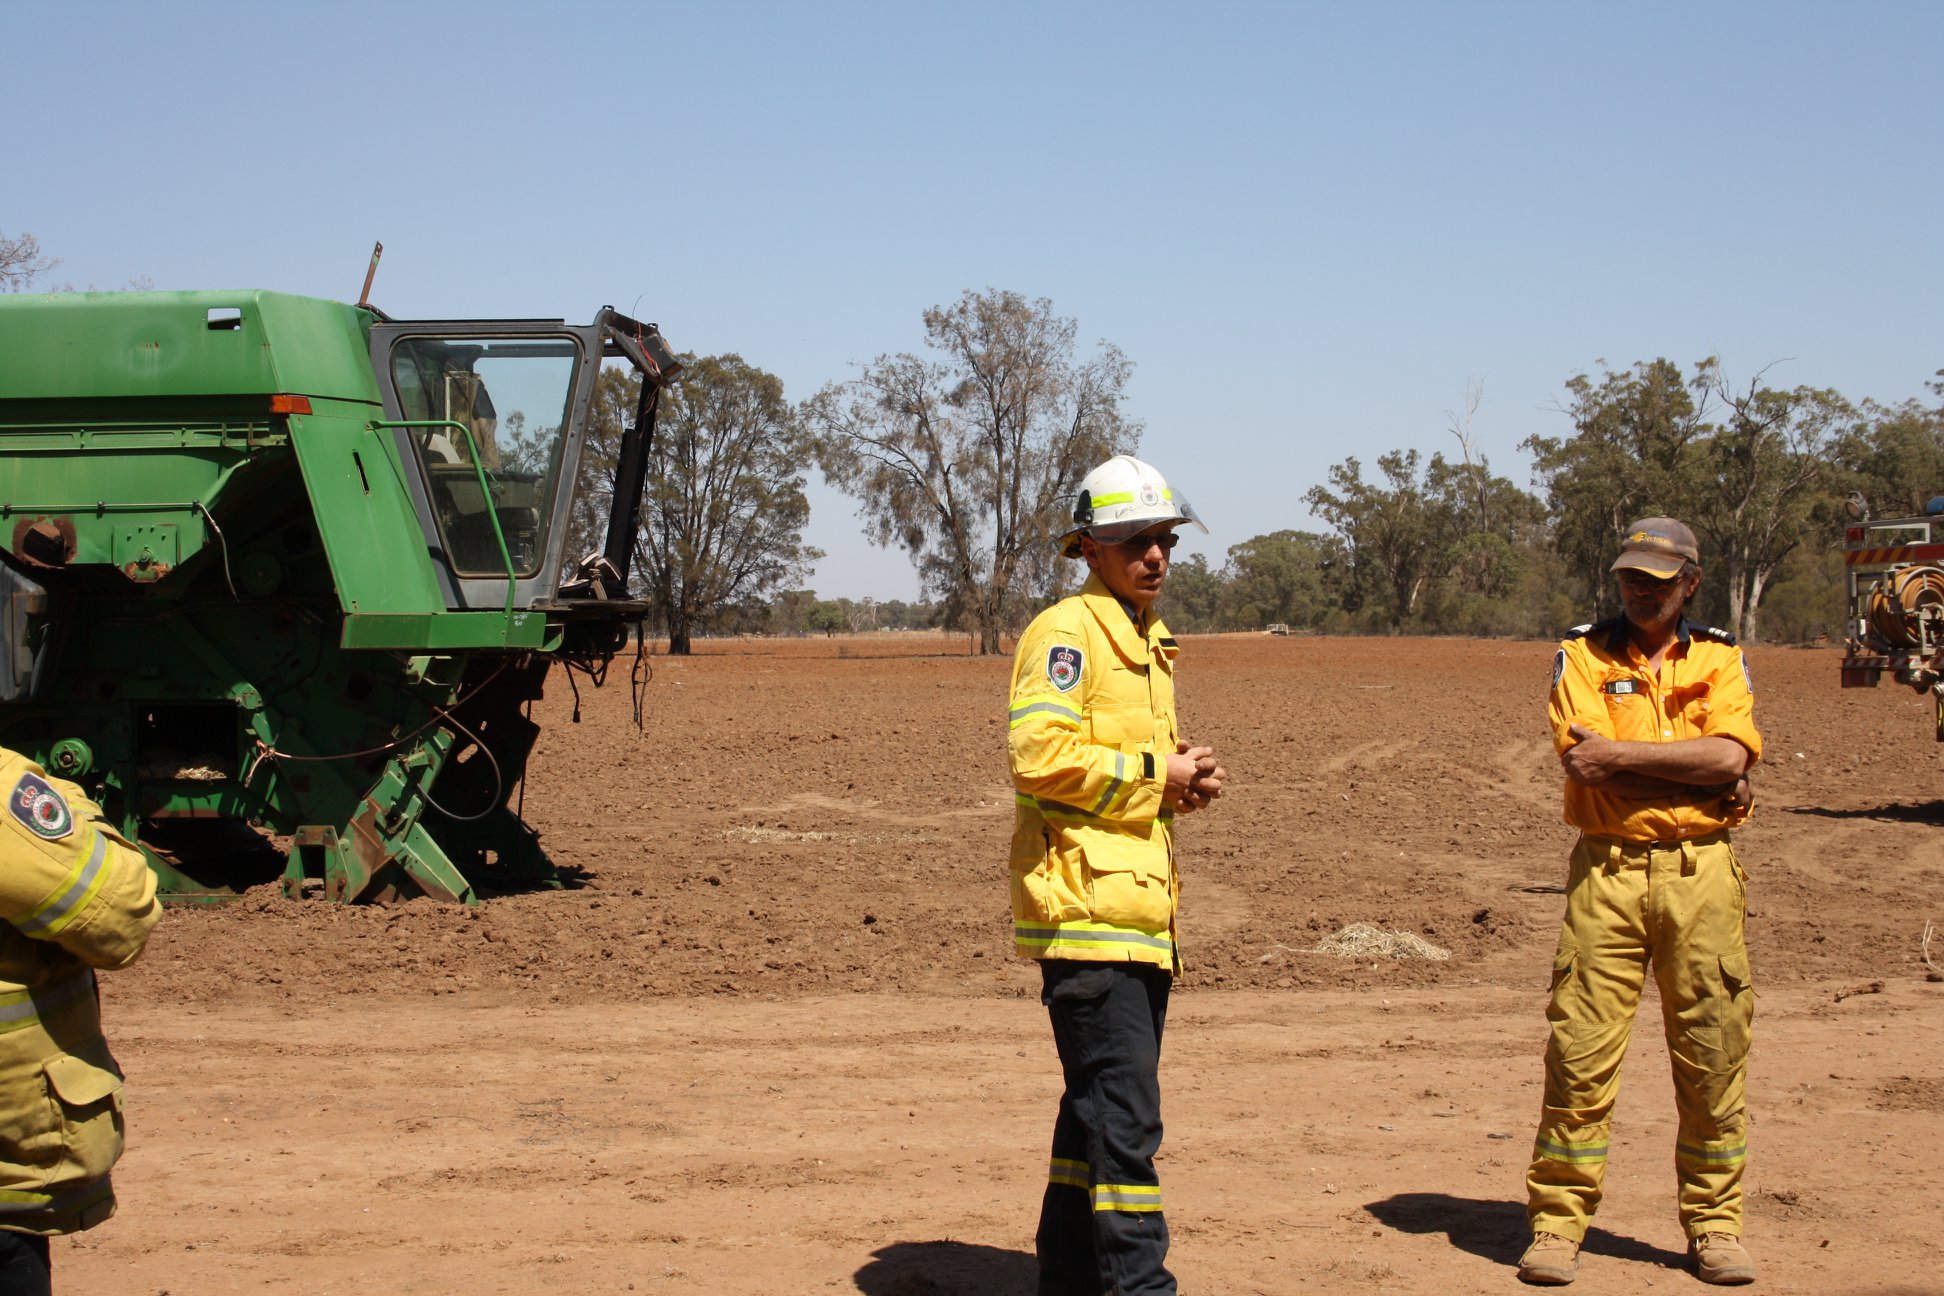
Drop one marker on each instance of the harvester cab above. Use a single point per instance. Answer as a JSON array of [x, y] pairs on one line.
[[1895, 585], [272, 564]]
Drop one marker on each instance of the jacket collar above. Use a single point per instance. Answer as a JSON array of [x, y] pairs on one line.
[[1131, 640]]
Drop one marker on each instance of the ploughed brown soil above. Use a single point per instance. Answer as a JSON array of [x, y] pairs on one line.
[[773, 1039]]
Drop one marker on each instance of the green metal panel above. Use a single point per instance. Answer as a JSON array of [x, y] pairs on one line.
[[101, 346], [446, 630], [379, 561], [107, 416]]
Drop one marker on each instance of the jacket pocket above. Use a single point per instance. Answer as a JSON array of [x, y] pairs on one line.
[[1631, 717], [1125, 727], [1047, 886], [1132, 893], [87, 1092]]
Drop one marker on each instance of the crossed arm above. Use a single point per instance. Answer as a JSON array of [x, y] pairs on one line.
[[1651, 771]]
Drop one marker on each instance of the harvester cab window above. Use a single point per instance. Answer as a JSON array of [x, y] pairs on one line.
[[491, 408]]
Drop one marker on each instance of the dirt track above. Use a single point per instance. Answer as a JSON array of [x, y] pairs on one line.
[[774, 1042]]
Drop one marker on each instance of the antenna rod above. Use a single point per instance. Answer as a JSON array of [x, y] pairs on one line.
[[377, 250]]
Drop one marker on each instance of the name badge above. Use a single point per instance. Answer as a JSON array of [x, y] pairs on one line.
[[1620, 687]]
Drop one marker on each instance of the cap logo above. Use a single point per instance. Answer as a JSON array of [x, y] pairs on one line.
[[1149, 496]]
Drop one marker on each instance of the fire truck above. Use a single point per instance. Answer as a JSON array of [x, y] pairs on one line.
[[1895, 579]]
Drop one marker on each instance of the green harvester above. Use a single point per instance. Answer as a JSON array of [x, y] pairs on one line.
[[277, 565]]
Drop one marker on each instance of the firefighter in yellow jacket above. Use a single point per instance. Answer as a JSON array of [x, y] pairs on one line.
[[1653, 718], [76, 897], [1099, 774]]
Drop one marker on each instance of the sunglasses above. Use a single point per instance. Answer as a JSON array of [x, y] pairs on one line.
[[1141, 544]]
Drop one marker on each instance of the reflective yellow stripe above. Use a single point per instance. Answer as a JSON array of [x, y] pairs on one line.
[[1067, 1172], [1127, 1197], [1572, 1153], [1725, 1155], [1053, 809], [20, 1009], [1088, 935], [79, 1197], [1121, 788], [72, 896], [1115, 782], [1019, 714], [1125, 497], [1056, 809]]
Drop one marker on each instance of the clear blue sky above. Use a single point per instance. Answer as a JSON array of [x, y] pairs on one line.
[[1308, 224]]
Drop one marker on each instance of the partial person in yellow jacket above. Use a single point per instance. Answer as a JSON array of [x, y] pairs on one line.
[[1653, 719], [76, 896], [1099, 774]]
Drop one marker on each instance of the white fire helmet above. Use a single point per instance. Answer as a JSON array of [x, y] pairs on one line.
[[1122, 498]]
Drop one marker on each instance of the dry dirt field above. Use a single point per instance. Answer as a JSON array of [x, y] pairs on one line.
[[773, 1041]]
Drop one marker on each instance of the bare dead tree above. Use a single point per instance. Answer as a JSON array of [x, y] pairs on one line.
[[21, 262], [1460, 426]]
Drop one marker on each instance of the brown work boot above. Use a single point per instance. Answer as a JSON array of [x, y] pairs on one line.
[[1551, 1261], [1721, 1258]]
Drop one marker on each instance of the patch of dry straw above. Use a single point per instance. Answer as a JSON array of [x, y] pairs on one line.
[[1364, 940]]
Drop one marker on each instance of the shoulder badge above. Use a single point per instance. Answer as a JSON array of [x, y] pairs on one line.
[[1063, 663], [1579, 630], [1559, 666], [1714, 633], [40, 809], [1748, 677]]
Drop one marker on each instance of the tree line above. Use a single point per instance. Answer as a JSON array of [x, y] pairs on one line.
[[1766, 477], [967, 458]]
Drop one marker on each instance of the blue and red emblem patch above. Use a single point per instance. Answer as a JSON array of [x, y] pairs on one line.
[[1063, 662], [40, 809]]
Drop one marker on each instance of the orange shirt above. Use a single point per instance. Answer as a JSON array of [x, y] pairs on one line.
[[1601, 682]]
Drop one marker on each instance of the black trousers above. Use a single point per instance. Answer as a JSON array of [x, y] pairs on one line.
[[1101, 1231], [23, 1264]]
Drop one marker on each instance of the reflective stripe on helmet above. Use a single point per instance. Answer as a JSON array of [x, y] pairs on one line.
[[1122, 498]]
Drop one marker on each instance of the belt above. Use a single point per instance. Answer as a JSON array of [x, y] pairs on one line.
[[1629, 847], [1611, 850]]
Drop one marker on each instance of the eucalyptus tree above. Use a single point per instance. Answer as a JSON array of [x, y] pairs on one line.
[[967, 458], [723, 510]]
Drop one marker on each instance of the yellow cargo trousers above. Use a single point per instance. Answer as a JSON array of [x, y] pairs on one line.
[[1679, 906]]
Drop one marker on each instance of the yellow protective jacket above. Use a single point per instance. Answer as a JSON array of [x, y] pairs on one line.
[[75, 896], [1092, 722]]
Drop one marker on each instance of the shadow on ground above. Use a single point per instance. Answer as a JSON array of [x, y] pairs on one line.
[[948, 1269], [1496, 1230], [1921, 812]]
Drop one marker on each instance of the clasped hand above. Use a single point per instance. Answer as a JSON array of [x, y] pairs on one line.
[[1195, 778]]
